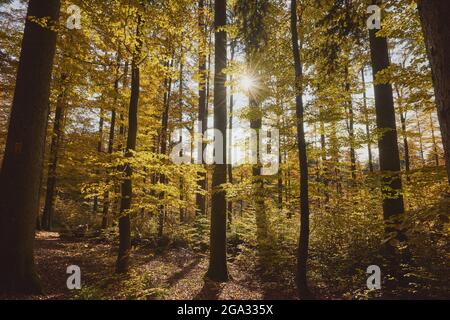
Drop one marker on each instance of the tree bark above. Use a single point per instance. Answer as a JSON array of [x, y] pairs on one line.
[[419, 133], [230, 139], [123, 259], [387, 143], [254, 43], [112, 133], [49, 207], [202, 104], [351, 124], [180, 102], [367, 123], [258, 181], [405, 141], [434, 16], [218, 270], [302, 253], [22, 164], [101, 122], [402, 113], [163, 150], [280, 182], [433, 138]]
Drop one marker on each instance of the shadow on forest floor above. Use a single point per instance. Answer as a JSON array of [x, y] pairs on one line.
[[175, 274], [210, 291]]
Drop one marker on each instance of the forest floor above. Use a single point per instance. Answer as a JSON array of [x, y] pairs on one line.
[[174, 274]]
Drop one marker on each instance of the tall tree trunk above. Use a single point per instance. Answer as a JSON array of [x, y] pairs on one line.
[[419, 133], [163, 150], [23, 158], [218, 270], [351, 124], [323, 154], [112, 133], [434, 16], [302, 254], [287, 191], [367, 122], [49, 207], [335, 156], [405, 140], [258, 182], [387, 143], [280, 181], [101, 122], [208, 98], [122, 128], [105, 214], [404, 132], [282, 126], [202, 103], [230, 139], [38, 218], [433, 137], [253, 51], [123, 259], [180, 102]]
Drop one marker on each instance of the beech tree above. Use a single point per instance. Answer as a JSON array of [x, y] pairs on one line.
[[218, 270], [302, 254], [123, 259], [202, 99], [21, 171], [387, 142], [49, 207], [433, 15]]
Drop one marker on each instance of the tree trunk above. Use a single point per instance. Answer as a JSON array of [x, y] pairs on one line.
[[163, 150], [280, 182], [22, 164], [302, 254], [433, 137], [387, 143], [434, 16], [367, 123], [123, 259], [230, 139], [419, 133], [323, 154], [105, 215], [253, 50], [49, 207], [405, 141], [112, 133], [202, 104], [287, 189], [218, 270], [335, 156], [258, 182], [101, 122], [404, 131], [180, 102], [38, 218], [351, 124]]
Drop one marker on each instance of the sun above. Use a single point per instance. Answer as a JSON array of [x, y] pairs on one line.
[[246, 83]]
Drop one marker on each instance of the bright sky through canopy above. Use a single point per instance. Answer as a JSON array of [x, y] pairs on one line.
[[247, 83]]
